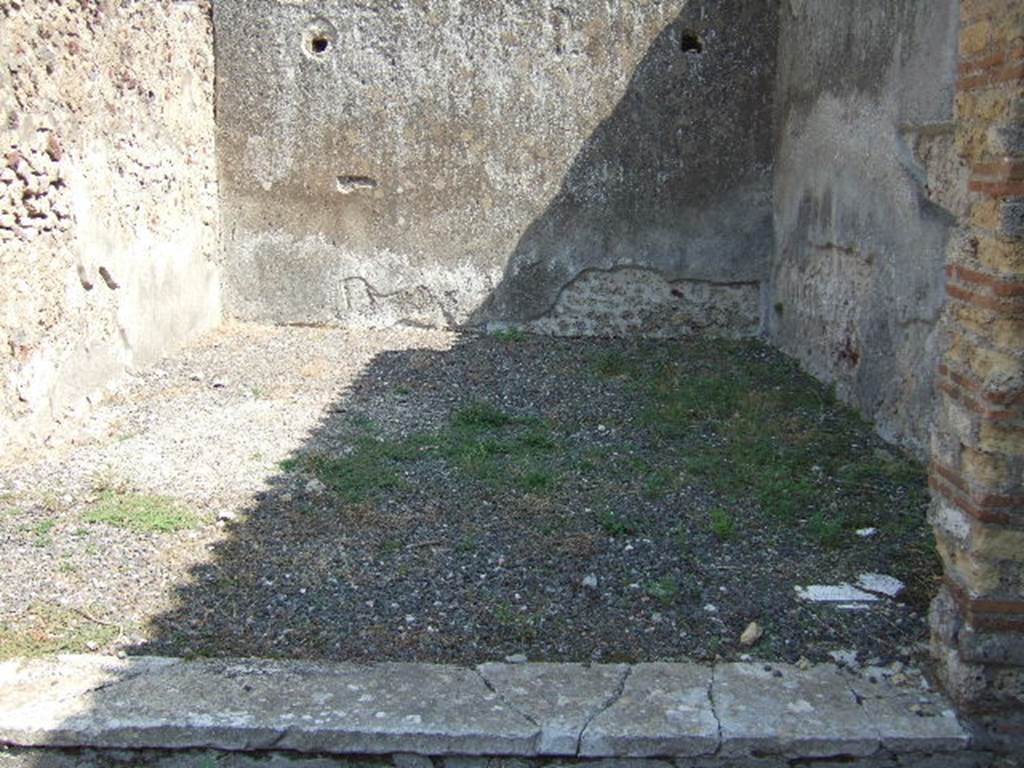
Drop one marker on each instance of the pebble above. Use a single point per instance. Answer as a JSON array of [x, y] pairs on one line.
[[227, 516], [866, 533], [314, 486], [516, 658], [751, 634], [590, 581]]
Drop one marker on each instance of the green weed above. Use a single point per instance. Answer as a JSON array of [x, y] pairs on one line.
[[140, 513]]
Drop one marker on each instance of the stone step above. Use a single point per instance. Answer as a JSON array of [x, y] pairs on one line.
[[728, 714]]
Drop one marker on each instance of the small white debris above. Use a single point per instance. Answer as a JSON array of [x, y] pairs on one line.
[[314, 486], [844, 657], [751, 634], [881, 584], [590, 581], [516, 658], [709, 608], [226, 516], [834, 593], [867, 533]]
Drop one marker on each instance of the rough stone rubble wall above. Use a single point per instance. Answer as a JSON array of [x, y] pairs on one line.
[[977, 473], [107, 198], [567, 165], [867, 186]]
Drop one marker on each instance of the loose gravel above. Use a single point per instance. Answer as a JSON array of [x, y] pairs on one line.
[[420, 495]]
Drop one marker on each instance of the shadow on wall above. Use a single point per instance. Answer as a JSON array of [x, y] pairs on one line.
[[663, 223], [662, 226]]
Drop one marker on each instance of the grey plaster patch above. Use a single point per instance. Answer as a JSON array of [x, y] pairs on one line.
[[664, 711], [910, 719], [783, 710], [560, 698], [259, 705]]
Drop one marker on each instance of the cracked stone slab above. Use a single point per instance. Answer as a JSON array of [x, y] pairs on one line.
[[258, 705], [560, 698], [781, 710], [910, 719], [664, 711]]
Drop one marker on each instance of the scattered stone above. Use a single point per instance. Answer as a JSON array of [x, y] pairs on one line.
[[590, 581], [516, 658], [881, 584], [834, 593], [803, 664], [751, 634], [227, 516], [867, 533], [219, 383], [844, 657], [315, 487]]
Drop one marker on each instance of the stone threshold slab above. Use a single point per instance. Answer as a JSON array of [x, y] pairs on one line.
[[522, 710]]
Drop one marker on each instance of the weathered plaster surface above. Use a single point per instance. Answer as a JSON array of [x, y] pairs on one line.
[[107, 198], [465, 161], [865, 194]]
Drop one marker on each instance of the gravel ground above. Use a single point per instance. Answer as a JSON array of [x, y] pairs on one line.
[[418, 495]]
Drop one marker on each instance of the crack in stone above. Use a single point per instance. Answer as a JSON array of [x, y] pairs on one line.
[[490, 686], [620, 688], [376, 296], [714, 708]]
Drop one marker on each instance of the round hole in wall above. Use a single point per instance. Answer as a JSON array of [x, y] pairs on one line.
[[318, 38], [691, 42]]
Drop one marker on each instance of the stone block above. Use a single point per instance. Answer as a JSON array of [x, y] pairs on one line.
[[664, 711], [560, 698], [779, 709]]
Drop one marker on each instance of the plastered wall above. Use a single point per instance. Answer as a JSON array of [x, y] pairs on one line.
[[108, 195], [572, 166]]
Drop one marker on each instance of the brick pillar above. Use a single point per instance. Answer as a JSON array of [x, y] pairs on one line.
[[977, 473]]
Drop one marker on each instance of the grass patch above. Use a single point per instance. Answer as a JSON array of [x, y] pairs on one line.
[[665, 590], [722, 524], [480, 415], [370, 469], [747, 423], [827, 532], [140, 513], [509, 335], [49, 630], [611, 365], [616, 525], [41, 533]]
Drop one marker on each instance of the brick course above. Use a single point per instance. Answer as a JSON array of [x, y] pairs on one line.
[[977, 470]]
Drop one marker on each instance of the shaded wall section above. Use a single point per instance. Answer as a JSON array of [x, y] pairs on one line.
[[107, 199], [866, 191], [585, 167]]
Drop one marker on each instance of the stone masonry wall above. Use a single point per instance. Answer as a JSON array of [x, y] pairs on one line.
[[582, 167], [977, 472], [107, 197], [866, 190]]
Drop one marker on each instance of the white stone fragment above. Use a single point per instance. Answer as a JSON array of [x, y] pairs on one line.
[[867, 533], [834, 593], [881, 584]]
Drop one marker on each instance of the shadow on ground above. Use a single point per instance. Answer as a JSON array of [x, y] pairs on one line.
[[566, 500]]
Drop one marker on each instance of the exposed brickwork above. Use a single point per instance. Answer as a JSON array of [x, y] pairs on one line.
[[977, 471]]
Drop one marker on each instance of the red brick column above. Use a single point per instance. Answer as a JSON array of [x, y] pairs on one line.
[[977, 473]]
